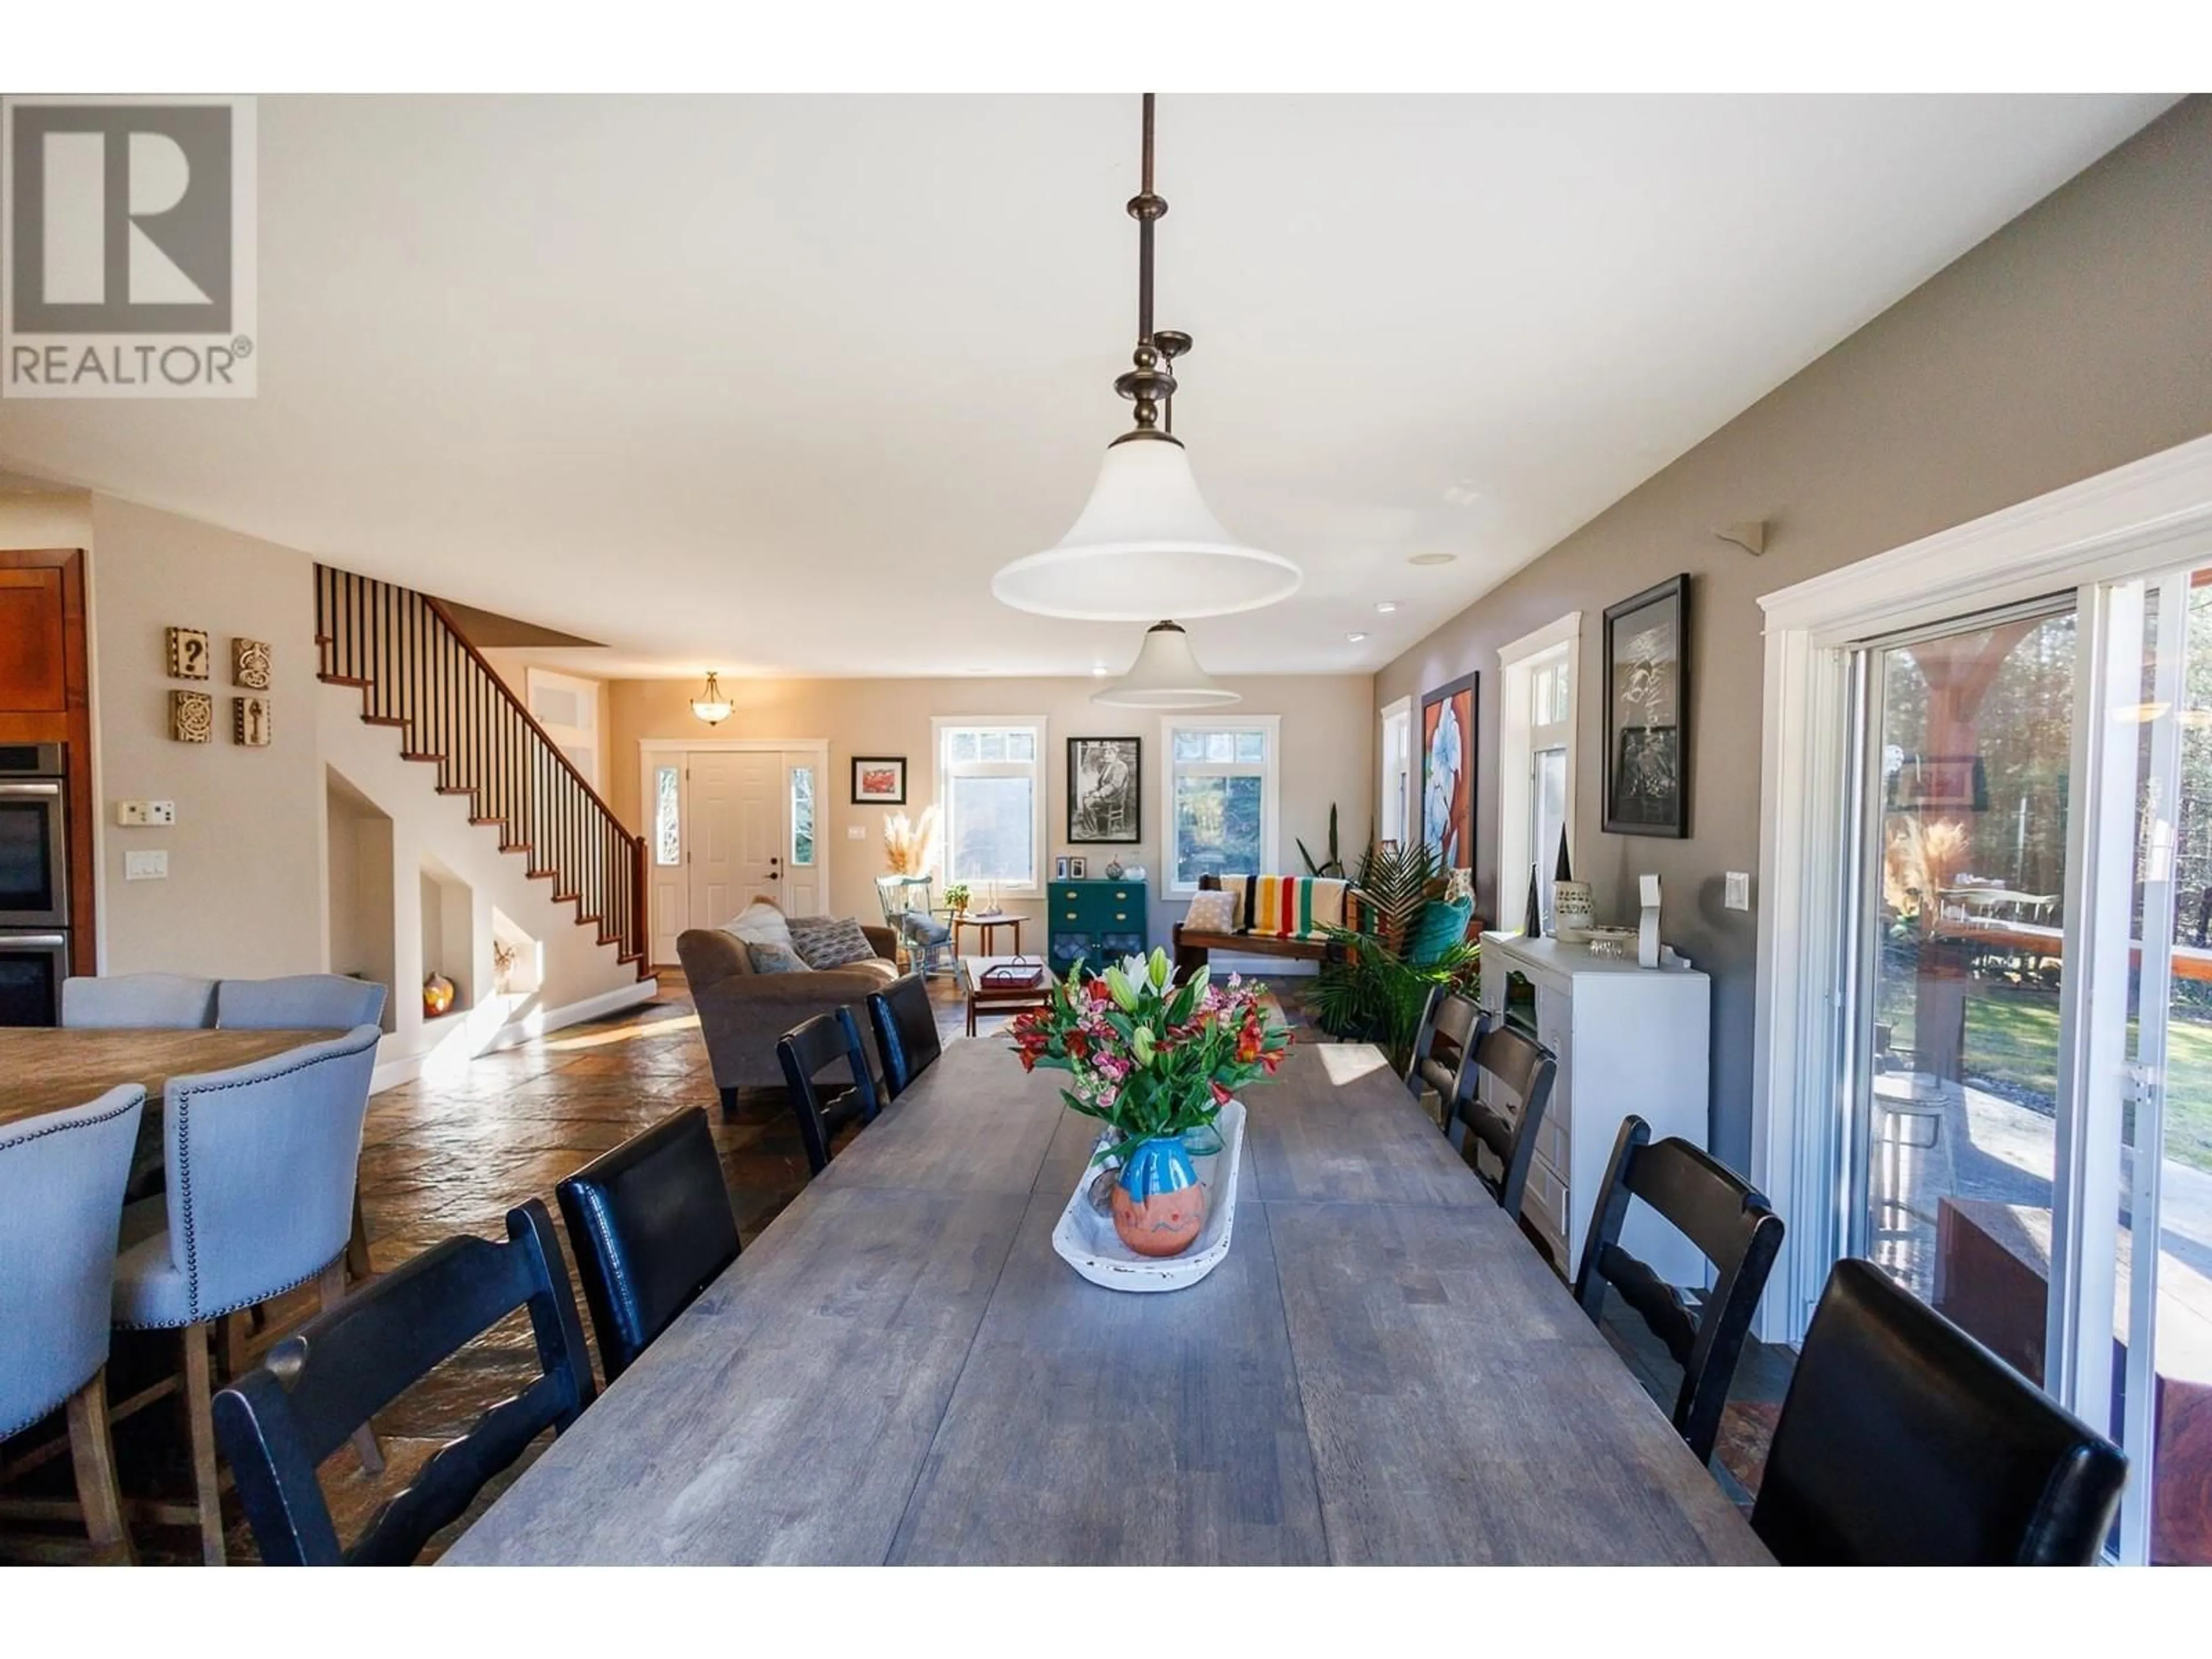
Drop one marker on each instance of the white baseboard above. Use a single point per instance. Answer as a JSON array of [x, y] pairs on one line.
[[406, 1068]]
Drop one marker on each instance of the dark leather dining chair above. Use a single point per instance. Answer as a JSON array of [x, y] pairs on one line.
[[650, 1225], [906, 1032], [1444, 1050], [807, 1051], [1734, 1227], [317, 1387], [1903, 1442], [1525, 1069]]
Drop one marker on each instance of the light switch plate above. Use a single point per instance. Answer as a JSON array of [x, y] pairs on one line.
[[856, 832], [147, 866], [1736, 889]]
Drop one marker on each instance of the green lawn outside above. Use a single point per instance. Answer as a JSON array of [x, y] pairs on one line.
[[2012, 1036]]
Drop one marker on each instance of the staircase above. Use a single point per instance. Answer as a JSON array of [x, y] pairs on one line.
[[416, 672]]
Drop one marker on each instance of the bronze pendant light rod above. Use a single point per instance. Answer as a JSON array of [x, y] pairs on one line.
[[1150, 383]]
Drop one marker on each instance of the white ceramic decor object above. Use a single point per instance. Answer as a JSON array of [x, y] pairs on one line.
[[1087, 1241], [1647, 931]]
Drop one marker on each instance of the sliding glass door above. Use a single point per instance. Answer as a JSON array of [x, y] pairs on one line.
[[1972, 733], [2028, 1051], [2156, 1368]]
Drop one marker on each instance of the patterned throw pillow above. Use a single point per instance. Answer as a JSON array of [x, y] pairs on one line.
[[771, 958], [1211, 913], [830, 941]]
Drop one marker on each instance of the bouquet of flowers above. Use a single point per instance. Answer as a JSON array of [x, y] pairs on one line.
[[1152, 1057]]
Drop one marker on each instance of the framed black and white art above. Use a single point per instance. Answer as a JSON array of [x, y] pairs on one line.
[[1105, 790], [1647, 712]]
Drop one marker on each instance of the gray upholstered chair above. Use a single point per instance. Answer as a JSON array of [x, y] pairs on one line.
[[60, 1190], [307, 1002], [173, 1001], [261, 1168], [300, 1002]]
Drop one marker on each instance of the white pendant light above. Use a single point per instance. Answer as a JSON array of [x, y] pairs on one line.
[[710, 705], [1145, 544], [1166, 675], [1146, 541]]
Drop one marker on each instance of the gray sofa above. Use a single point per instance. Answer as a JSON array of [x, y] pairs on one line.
[[742, 1013]]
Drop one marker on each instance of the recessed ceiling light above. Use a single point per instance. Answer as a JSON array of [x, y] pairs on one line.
[[1433, 558], [1355, 638], [1100, 670], [1386, 606]]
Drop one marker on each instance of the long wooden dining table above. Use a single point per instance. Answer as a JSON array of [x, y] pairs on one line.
[[49, 1069], [900, 1370]]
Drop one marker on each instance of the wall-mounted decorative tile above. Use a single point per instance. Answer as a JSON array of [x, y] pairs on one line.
[[251, 665], [249, 721], [188, 653], [192, 716]]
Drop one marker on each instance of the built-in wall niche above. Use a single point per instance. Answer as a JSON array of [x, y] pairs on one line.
[[517, 960], [361, 898], [449, 931]]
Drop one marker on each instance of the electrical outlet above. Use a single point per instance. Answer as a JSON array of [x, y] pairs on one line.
[[161, 811], [152, 866], [1736, 891], [856, 832], [130, 813]]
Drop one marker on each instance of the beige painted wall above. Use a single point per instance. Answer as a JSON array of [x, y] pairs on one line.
[[245, 890], [2075, 339], [43, 519], [1328, 736]]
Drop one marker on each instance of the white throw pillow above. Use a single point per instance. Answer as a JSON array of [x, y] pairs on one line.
[[762, 923]]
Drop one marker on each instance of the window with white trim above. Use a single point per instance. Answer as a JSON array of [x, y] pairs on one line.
[[1536, 765], [1220, 797], [991, 800]]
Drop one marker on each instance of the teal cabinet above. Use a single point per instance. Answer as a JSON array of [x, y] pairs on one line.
[[1099, 921]]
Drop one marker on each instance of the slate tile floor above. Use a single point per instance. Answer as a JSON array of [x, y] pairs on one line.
[[441, 1158]]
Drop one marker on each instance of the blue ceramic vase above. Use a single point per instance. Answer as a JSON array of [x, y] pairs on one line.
[[1159, 1205]]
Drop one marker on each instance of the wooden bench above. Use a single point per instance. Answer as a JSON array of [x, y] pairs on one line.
[[1192, 945]]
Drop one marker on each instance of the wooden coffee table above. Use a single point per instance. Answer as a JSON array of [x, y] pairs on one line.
[[983, 1001]]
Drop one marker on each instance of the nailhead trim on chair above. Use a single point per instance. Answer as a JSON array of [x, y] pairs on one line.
[[184, 1186], [24, 1140]]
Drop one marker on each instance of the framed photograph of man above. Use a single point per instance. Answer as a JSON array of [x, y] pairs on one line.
[[1105, 790]]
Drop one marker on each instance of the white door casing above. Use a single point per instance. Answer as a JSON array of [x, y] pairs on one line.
[[2148, 516], [677, 905]]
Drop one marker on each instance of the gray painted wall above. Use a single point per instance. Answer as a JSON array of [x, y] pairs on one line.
[[2075, 339]]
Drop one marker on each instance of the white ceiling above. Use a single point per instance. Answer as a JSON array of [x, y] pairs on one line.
[[775, 384]]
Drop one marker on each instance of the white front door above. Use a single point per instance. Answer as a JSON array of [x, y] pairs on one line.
[[735, 805]]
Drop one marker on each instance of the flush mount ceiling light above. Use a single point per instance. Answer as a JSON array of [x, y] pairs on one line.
[[1145, 544], [1386, 606], [1166, 675], [710, 705]]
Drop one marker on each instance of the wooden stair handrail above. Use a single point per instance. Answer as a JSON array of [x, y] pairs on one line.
[[417, 671], [438, 609]]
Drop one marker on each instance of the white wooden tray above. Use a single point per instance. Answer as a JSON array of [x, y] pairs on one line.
[[1087, 1240]]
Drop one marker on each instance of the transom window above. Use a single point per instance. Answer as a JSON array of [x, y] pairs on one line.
[[1221, 796], [991, 800]]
